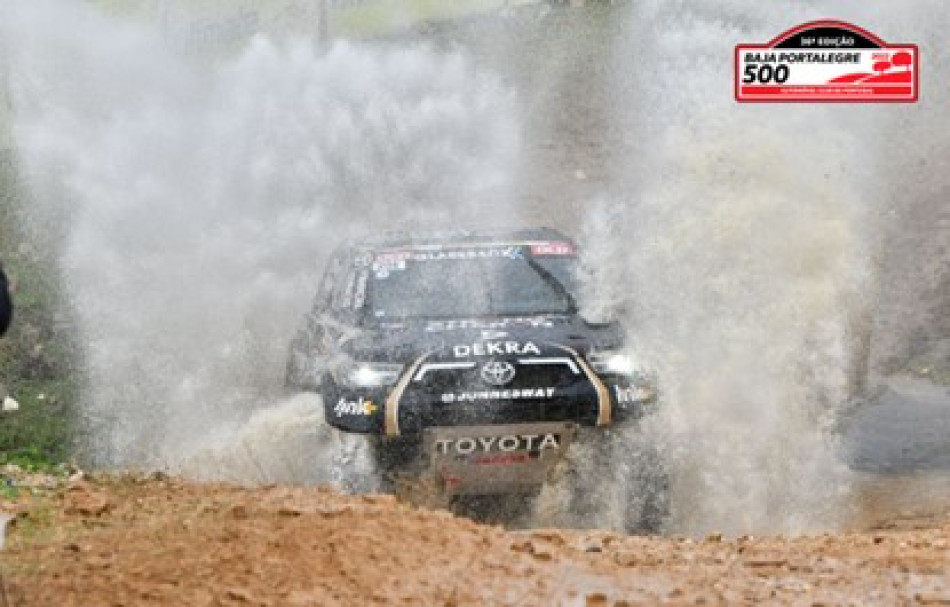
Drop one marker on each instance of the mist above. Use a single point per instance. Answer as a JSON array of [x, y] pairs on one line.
[[198, 201], [753, 243], [194, 200]]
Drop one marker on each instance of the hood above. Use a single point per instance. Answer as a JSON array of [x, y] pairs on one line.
[[506, 337]]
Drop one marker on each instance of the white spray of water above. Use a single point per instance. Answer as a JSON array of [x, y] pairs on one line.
[[744, 247], [199, 205], [914, 305], [200, 202]]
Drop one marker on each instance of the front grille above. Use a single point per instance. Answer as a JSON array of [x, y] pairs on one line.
[[454, 394], [429, 415], [545, 373]]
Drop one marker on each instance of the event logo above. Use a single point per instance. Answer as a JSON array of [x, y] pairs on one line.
[[827, 61], [498, 372]]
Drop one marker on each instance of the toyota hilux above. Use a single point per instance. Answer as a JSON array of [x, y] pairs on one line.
[[464, 360]]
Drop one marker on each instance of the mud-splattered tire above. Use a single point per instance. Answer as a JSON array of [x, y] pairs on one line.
[[618, 479], [647, 496]]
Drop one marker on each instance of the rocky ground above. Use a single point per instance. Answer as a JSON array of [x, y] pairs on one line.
[[160, 541]]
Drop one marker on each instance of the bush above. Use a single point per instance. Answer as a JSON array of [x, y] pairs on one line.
[[37, 355]]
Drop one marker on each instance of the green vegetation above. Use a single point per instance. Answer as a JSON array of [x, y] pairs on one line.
[[37, 355]]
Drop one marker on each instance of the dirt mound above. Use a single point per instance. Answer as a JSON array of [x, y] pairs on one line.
[[165, 542]]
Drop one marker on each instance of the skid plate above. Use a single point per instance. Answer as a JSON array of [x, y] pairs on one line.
[[486, 460]]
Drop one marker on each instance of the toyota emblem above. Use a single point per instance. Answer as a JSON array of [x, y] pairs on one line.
[[498, 372]]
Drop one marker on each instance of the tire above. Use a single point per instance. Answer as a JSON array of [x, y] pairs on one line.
[[352, 470], [646, 504], [394, 460]]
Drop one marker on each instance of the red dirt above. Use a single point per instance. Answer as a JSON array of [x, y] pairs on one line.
[[165, 542]]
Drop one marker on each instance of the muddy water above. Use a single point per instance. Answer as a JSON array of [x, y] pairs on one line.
[[184, 349]]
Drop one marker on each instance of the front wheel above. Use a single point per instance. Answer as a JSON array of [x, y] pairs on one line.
[[353, 467], [618, 478], [646, 500]]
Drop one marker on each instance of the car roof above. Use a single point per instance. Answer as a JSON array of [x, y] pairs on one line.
[[445, 238]]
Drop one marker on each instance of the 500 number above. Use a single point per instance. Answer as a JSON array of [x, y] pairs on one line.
[[765, 73]]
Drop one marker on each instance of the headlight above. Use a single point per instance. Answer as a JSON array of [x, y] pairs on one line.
[[611, 362], [368, 375], [638, 383]]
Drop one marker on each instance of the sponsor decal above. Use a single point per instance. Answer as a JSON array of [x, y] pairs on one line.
[[452, 481], [529, 322], [498, 372], [473, 253], [392, 261], [624, 395], [508, 443], [391, 258], [361, 407], [496, 348], [483, 395], [552, 248], [501, 459], [384, 263], [494, 334], [826, 61], [631, 394]]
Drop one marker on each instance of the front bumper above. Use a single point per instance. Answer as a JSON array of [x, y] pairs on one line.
[[384, 411]]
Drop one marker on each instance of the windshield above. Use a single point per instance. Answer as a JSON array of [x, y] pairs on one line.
[[431, 285]]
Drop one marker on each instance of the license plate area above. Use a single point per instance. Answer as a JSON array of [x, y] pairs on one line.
[[485, 460]]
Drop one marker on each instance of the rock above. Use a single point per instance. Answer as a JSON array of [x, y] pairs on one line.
[[627, 558], [522, 546], [595, 599], [553, 537], [238, 594], [86, 502], [5, 518], [542, 555]]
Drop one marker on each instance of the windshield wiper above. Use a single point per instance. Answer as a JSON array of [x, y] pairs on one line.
[[554, 283]]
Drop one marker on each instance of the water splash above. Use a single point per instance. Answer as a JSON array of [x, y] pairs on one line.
[[198, 200], [196, 203], [745, 252]]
